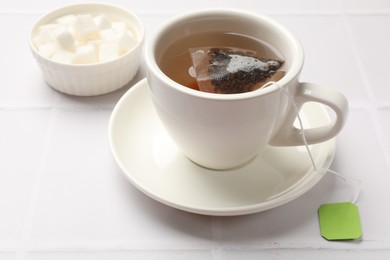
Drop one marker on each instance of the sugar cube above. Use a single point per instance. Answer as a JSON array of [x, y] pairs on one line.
[[45, 34], [66, 19], [102, 22], [109, 35], [64, 38], [48, 49], [85, 28], [85, 54], [63, 56], [126, 41], [95, 43], [47, 27], [37, 41], [108, 51], [119, 27]]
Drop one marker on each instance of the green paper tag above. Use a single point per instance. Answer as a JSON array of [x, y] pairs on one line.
[[339, 221]]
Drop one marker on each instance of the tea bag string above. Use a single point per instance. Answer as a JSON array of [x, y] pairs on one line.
[[357, 182]]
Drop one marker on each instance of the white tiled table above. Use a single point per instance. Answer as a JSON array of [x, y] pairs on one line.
[[62, 195]]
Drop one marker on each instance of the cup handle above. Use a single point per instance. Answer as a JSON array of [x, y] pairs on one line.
[[289, 135]]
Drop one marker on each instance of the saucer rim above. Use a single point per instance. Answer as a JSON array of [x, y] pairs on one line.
[[300, 188]]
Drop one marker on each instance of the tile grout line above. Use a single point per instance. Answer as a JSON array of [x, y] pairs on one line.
[[358, 61], [58, 107], [217, 249], [269, 11], [374, 12], [29, 218], [373, 105]]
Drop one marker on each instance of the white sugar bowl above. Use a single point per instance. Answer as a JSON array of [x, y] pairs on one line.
[[88, 49]]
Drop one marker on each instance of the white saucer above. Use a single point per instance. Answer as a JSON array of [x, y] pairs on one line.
[[152, 163]]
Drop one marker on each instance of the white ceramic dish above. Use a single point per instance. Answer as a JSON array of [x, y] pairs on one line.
[[97, 78], [152, 163]]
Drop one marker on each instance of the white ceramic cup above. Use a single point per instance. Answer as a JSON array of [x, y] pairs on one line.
[[222, 131]]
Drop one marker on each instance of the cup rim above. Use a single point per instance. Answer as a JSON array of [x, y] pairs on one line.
[[139, 25], [151, 63]]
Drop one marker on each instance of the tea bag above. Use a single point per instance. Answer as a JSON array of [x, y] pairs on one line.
[[230, 70]]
